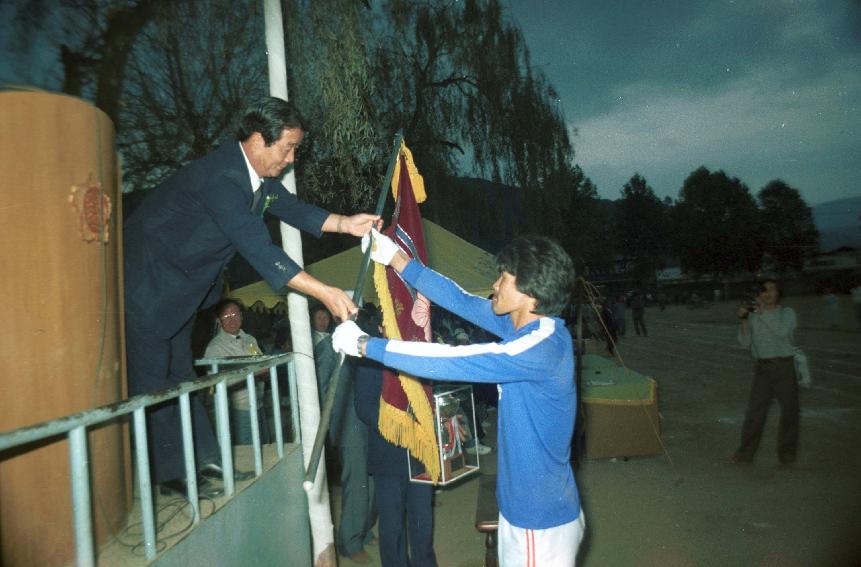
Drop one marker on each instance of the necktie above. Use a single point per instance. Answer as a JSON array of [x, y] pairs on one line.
[[256, 200]]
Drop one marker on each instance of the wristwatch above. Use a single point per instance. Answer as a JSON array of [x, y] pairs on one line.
[[361, 342]]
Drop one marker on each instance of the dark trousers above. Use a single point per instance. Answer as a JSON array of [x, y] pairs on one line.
[[240, 426], [620, 325], [772, 378], [358, 512], [404, 504], [639, 322], [155, 364]]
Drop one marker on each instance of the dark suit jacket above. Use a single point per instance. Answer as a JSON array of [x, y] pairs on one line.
[[384, 458], [180, 238]]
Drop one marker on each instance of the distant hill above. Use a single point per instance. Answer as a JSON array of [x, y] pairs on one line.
[[839, 223]]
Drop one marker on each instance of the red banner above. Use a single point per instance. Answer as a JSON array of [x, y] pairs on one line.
[[406, 416]]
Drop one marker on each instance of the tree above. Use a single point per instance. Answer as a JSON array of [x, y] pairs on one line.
[[788, 230], [641, 228], [358, 74], [491, 115], [93, 39], [716, 225], [334, 82], [190, 75], [579, 219]]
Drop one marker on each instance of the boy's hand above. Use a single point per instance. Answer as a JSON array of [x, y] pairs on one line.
[[383, 248], [346, 338]]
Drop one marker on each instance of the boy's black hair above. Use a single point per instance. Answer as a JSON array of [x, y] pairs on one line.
[[542, 269]]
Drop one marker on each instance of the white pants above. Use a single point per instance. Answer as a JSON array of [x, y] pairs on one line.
[[553, 547]]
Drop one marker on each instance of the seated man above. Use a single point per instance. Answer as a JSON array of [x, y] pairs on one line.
[[231, 340]]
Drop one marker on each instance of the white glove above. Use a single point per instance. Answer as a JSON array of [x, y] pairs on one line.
[[346, 338], [383, 248]]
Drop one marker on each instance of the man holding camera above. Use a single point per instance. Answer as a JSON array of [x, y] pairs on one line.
[[768, 329]]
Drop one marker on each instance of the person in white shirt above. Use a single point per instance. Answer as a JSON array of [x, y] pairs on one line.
[[768, 330]]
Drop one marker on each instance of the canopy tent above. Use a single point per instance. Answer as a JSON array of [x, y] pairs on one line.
[[260, 297], [467, 264]]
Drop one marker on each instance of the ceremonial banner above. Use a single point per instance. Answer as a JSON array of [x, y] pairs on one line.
[[406, 415]]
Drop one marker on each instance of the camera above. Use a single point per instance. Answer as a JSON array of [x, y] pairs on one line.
[[751, 302]]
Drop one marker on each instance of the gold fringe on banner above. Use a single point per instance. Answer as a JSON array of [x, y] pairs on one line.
[[416, 179], [396, 425]]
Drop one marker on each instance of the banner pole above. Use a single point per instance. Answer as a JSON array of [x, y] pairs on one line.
[[334, 378]]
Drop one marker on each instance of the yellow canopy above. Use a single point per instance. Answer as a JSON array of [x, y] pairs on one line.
[[468, 265]]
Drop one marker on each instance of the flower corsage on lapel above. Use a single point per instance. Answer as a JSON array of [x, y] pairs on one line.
[[268, 200]]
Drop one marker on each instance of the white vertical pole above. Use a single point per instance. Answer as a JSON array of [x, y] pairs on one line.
[[144, 483], [188, 454], [322, 531], [80, 475], [276, 410], [253, 414]]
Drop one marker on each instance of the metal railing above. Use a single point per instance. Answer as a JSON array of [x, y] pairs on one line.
[[75, 426]]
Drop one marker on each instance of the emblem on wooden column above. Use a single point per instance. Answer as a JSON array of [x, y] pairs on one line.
[[94, 210]]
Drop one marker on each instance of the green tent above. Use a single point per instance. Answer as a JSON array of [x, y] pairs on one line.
[[468, 265]]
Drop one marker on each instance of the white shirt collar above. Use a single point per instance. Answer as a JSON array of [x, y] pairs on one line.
[[318, 336], [255, 179]]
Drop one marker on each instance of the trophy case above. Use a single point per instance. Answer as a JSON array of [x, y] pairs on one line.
[[454, 421]]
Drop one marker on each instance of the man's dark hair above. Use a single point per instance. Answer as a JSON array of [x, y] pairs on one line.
[[270, 116], [222, 305], [318, 307], [542, 269]]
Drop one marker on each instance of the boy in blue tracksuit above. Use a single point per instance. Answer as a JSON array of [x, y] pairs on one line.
[[540, 520]]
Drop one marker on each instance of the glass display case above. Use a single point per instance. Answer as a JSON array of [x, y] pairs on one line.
[[454, 419]]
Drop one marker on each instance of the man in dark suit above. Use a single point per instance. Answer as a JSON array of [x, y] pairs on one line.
[[177, 244]]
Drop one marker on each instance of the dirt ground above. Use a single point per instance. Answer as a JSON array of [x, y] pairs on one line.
[[690, 507]]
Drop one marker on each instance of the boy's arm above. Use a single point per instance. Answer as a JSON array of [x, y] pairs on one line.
[[525, 358], [450, 296]]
